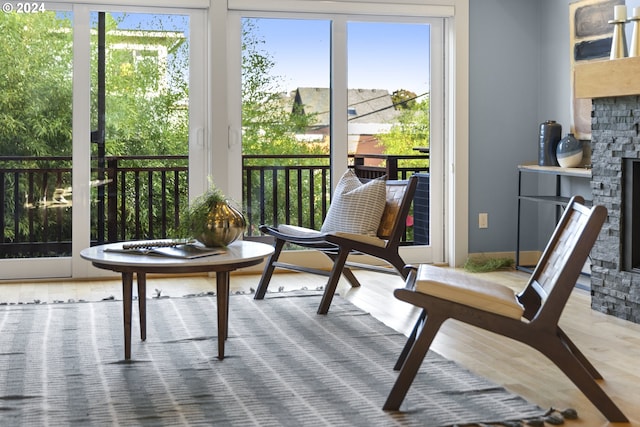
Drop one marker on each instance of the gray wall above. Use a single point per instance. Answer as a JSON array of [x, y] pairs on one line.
[[519, 77]]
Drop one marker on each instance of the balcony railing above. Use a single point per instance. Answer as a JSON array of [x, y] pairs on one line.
[[140, 197]]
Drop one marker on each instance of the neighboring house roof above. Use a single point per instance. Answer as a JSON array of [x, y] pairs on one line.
[[372, 106]]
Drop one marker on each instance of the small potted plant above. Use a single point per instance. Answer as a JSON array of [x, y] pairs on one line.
[[212, 220]]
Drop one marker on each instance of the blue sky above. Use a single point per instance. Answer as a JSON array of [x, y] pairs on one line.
[[381, 55]]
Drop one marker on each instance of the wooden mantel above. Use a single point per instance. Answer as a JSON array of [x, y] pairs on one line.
[[610, 77]]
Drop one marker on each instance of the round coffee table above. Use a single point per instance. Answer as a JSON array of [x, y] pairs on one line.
[[239, 254]]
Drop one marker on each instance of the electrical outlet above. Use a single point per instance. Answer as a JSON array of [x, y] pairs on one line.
[[483, 220]]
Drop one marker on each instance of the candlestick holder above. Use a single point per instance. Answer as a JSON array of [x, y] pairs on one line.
[[635, 37], [619, 40]]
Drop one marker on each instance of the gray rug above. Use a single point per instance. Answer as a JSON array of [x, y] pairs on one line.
[[62, 364]]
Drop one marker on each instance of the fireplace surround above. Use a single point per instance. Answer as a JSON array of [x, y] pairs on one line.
[[615, 268], [614, 89]]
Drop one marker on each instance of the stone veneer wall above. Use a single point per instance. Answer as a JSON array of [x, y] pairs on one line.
[[615, 122]]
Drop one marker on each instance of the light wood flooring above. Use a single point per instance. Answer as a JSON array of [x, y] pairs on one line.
[[612, 345]]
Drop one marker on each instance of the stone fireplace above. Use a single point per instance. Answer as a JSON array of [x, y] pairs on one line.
[[615, 271], [615, 182]]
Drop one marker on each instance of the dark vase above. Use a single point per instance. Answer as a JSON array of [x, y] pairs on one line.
[[550, 134], [569, 152]]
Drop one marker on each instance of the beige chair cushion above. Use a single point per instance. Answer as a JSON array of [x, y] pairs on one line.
[[468, 290]]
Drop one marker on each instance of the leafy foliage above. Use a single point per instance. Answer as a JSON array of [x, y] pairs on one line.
[[268, 122], [486, 264], [35, 106], [404, 99], [147, 96], [412, 130], [195, 215]]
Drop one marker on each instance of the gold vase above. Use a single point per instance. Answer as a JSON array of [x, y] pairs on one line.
[[224, 225]]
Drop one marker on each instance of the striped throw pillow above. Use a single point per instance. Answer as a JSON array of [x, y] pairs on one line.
[[356, 207]]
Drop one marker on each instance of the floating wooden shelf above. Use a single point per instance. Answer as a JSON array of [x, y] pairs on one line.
[[611, 77]]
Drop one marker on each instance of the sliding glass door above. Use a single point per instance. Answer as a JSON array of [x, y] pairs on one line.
[[319, 94], [36, 62], [100, 144]]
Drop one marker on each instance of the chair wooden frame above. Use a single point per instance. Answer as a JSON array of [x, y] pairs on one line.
[[339, 246], [541, 304]]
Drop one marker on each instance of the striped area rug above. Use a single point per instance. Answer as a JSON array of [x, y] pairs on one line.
[[62, 364]]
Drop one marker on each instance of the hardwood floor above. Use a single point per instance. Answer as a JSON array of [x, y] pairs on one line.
[[611, 344]]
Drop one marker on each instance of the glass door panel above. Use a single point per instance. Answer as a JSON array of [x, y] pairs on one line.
[[388, 75], [137, 133], [285, 121], [36, 60], [389, 109], [289, 72], [140, 124]]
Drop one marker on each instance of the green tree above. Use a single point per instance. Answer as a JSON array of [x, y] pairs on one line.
[[403, 99], [35, 120], [268, 120], [146, 104], [36, 66], [412, 130]]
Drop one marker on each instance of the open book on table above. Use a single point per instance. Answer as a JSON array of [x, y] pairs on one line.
[[178, 248]]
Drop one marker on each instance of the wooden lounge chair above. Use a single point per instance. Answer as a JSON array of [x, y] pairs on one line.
[[530, 317], [339, 245]]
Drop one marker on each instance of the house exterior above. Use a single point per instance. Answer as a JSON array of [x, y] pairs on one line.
[[370, 111]]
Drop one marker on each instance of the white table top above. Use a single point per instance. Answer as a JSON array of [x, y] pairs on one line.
[[238, 251]]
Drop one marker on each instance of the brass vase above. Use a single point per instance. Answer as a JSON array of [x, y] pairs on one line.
[[224, 225]]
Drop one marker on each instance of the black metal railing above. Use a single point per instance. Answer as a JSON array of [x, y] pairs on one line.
[[143, 196], [296, 189]]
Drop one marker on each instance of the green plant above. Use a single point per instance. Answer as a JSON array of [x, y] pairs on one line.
[[194, 219], [484, 264]]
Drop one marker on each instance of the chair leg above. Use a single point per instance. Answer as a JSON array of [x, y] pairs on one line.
[[346, 271], [269, 267], [332, 283], [412, 364], [578, 354], [412, 338], [353, 280], [399, 264], [567, 361]]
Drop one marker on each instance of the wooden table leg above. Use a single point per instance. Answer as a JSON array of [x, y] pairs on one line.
[[127, 290], [222, 294], [141, 278]]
